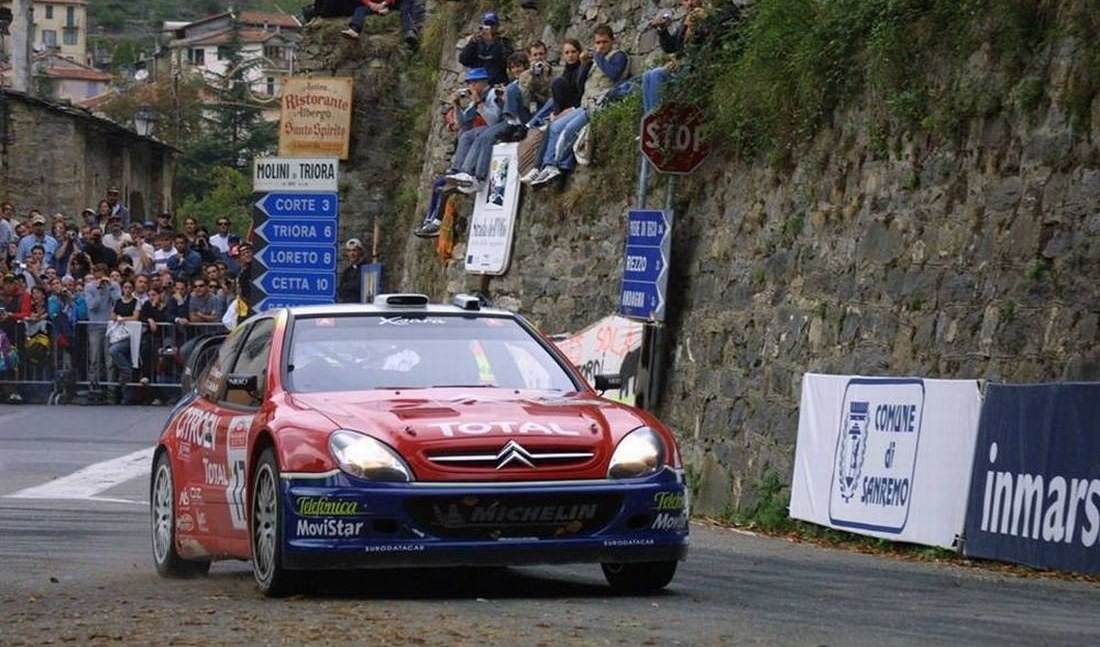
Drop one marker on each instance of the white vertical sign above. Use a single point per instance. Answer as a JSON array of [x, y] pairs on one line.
[[493, 223]]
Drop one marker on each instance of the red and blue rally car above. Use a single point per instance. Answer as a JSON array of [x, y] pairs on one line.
[[406, 434]]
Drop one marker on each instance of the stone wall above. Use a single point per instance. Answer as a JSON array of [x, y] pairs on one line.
[[973, 259], [61, 159]]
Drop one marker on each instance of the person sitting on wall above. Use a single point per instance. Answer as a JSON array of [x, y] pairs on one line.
[[488, 50], [532, 87], [477, 106], [474, 167], [610, 67], [412, 14]]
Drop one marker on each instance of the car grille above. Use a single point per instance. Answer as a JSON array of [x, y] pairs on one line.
[[520, 515], [511, 455]]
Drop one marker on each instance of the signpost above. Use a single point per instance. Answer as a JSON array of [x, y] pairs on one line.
[[295, 219], [645, 268], [672, 138]]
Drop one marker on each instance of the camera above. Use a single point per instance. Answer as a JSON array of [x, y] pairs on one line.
[[485, 27], [19, 267], [538, 68], [667, 16], [72, 235], [464, 92]]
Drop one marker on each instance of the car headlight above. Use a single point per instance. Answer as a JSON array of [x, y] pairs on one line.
[[367, 458], [640, 453]]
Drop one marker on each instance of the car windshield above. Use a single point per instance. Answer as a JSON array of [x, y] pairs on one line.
[[357, 352]]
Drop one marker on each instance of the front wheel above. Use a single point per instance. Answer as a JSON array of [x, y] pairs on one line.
[[266, 529], [162, 506], [640, 577]]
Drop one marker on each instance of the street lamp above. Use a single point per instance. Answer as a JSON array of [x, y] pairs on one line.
[[144, 121]]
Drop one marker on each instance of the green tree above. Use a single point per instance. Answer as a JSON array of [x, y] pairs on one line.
[[234, 131], [230, 196]]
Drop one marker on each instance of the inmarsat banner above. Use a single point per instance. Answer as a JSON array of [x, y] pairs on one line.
[[886, 457], [1035, 494]]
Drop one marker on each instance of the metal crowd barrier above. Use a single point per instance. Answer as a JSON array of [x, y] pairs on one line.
[[75, 371]]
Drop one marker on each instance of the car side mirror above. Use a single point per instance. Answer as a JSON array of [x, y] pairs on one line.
[[241, 382], [609, 382]]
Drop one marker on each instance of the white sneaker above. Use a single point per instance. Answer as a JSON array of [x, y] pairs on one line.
[[545, 175], [527, 177], [472, 187], [461, 179], [351, 33]]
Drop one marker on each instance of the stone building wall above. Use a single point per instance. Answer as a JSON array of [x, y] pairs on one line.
[[61, 159], [974, 259]]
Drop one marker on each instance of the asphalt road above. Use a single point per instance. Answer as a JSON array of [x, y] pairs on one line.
[[75, 568]]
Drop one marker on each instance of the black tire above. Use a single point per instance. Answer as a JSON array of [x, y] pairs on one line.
[[162, 508], [266, 529], [640, 577]]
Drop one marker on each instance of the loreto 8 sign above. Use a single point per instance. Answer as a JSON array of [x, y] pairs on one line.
[[886, 457], [1035, 491]]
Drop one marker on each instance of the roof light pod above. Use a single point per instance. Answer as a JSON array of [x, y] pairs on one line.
[[402, 300]]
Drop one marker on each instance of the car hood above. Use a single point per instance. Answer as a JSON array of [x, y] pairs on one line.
[[476, 434]]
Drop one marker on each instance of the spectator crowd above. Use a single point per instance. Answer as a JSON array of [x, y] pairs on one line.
[[104, 299], [524, 96]]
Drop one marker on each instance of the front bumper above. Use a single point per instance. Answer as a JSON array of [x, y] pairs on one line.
[[336, 521]]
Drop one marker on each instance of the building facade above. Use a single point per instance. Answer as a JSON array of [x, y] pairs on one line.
[[269, 46], [58, 158]]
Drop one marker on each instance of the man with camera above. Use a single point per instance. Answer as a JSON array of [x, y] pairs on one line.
[[97, 251], [532, 87], [187, 263], [115, 237], [488, 50], [476, 107], [473, 168], [99, 296]]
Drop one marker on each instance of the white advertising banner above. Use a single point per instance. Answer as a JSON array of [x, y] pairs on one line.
[[494, 219], [886, 457], [611, 345]]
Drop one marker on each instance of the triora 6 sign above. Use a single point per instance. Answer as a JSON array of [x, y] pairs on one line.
[[672, 138]]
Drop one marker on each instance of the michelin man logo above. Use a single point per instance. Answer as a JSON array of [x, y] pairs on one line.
[[853, 449]]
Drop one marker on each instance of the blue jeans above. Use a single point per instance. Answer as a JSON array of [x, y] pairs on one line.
[[122, 366], [412, 14], [465, 142], [480, 154], [652, 80], [560, 138]]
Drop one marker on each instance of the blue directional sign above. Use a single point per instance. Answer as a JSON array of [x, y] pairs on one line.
[[306, 284], [647, 228], [303, 258], [296, 206], [298, 233], [268, 303], [645, 264], [295, 219]]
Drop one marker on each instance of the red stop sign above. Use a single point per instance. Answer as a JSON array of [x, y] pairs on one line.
[[672, 138]]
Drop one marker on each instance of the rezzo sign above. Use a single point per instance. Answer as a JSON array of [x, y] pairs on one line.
[[876, 454]]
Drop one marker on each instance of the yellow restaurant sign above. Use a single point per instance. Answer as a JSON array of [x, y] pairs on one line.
[[316, 117]]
